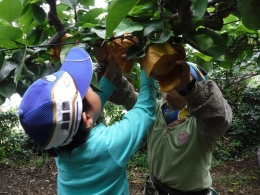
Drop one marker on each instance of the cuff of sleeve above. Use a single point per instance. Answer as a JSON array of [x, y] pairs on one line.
[[107, 86], [192, 93], [198, 96], [145, 80]]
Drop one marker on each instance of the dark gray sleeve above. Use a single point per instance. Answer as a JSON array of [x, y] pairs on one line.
[[212, 112]]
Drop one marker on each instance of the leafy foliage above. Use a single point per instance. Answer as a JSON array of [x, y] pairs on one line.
[[14, 143], [221, 36], [246, 124], [138, 161], [113, 113], [244, 132], [8, 143], [220, 33]]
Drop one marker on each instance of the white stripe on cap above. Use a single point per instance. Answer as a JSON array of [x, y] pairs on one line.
[[69, 60], [67, 109]]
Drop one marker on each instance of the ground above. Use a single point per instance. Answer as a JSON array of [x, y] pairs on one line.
[[231, 178]]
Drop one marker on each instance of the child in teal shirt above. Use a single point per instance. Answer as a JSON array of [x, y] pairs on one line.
[[59, 112]]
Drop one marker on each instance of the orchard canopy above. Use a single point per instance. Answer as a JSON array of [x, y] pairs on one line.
[[35, 35]]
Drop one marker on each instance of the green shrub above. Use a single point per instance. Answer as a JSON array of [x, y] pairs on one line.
[[14, 143], [8, 139], [244, 134], [138, 160], [113, 113]]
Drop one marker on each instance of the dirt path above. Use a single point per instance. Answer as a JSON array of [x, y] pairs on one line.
[[231, 178]]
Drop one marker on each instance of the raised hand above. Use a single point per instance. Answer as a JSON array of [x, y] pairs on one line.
[[112, 68]]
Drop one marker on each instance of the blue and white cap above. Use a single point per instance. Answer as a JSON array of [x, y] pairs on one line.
[[197, 72], [51, 108]]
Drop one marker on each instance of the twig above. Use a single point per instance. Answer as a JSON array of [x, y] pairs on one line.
[[54, 21]]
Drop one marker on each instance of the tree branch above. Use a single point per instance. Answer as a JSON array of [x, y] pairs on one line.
[[238, 80], [54, 21]]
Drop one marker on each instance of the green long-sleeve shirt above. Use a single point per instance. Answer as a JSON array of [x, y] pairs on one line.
[[179, 155]]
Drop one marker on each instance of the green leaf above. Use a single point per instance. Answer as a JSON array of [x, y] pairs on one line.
[[203, 41], [231, 57], [230, 19], [94, 84], [26, 18], [92, 39], [224, 64], [185, 26], [10, 10], [7, 67], [147, 9], [61, 8], [134, 51], [90, 16], [206, 41], [38, 14], [204, 57], [64, 51], [244, 28], [101, 32], [38, 49], [18, 70], [127, 26], [7, 88], [206, 65], [36, 36], [65, 48], [152, 26], [71, 3], [250, 13], [212, 34], [21, 42], [117, 13], [2, 59], [236, 13], [249, 51], [10, 32], [8, 44], [141, 2], [2, 98], [164, 36], [88, 25], [87, 3], [22, 87], [199, 8]]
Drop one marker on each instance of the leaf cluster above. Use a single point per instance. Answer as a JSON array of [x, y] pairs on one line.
[[30, 29], [14, 143], [243, 135]]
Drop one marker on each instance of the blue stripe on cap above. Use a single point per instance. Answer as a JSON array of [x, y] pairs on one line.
[[79, 65], [36, 109], [194, 71]]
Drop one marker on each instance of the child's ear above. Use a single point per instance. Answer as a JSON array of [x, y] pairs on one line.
[[87, 120]]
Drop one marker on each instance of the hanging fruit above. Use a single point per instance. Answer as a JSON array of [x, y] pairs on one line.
[[160, 63], [55, 50], [118, 47]]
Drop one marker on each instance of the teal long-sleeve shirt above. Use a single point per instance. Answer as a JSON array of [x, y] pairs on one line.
[[99, 166]]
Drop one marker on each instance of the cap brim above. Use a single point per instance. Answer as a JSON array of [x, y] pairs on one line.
[[78, 64]]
